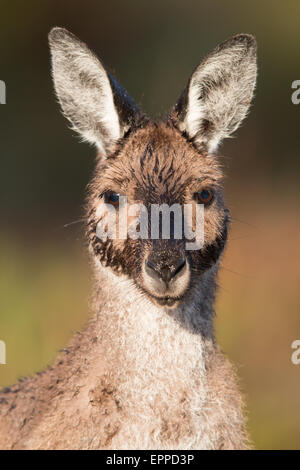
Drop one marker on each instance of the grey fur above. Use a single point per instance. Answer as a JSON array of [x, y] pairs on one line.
[[145, 373], [219, 92]]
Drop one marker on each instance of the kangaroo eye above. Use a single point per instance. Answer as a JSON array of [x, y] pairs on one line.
[[204, 197], [111, 198]]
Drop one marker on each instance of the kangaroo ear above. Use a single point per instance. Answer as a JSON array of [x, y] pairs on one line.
[[99, 109], [219, 92]]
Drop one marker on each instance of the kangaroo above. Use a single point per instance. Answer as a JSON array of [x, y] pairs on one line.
[[146, 373]]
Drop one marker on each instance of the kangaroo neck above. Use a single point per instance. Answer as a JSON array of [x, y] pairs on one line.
[[145, 336]]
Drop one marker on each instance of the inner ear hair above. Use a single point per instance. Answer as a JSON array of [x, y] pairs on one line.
[[219, 93], [97, 106]]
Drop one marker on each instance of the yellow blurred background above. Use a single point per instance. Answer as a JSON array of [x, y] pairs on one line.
[[152, 48]]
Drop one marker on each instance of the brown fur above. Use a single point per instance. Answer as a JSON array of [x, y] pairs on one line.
[[76, 404], [146, 372]]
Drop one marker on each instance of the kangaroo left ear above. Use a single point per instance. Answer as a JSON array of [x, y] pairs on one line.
[[218, 94], [99, 109]]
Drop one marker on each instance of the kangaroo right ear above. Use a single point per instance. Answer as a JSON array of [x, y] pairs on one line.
[[99, 109], [219, 93]]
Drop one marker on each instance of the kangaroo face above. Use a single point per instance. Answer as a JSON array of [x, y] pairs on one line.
[[145, 167], [155, 166]]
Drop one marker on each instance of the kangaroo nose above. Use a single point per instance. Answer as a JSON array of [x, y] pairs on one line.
[[165, 272]]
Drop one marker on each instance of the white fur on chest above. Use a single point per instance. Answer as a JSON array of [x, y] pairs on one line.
[[162, 378]]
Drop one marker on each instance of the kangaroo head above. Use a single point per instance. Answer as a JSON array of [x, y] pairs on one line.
[[144, 165]]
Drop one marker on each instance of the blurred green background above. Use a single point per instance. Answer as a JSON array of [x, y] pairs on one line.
[[152, 47]]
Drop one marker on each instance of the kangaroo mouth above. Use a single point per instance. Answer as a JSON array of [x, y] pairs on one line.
[[166, 301]]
